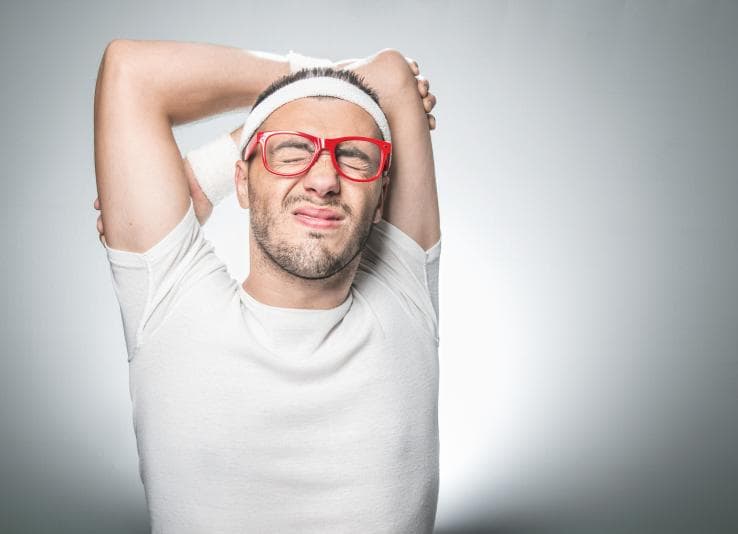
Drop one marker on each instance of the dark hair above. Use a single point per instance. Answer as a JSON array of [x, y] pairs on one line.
[[315, 72]]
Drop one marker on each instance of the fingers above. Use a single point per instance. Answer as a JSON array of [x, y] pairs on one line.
[[429, 99], [413, 66], [99, 225], [423, 86], [429, 102]]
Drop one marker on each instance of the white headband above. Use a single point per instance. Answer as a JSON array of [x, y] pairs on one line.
[[320, 86]]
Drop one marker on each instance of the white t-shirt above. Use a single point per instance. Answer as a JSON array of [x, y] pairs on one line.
[[254, 418]]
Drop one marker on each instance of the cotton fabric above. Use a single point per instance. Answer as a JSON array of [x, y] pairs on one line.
[[254, 418]]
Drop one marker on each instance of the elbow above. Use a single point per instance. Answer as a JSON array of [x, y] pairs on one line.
[[397, 68], [116, 77], [117, 61], [119, 49]]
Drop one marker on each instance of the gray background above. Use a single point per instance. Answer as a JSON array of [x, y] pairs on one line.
[[586, 157]]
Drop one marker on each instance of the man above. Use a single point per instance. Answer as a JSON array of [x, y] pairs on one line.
[[305, 398]]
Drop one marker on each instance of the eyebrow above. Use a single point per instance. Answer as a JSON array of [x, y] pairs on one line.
[[293, 143], [354, 152]]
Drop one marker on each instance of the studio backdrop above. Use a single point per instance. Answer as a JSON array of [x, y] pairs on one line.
[[587, 160]]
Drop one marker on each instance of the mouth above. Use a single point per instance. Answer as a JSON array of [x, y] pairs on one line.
[[318, 218]]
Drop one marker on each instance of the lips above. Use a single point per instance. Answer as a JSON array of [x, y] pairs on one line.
[[318, 218], [319, 213]]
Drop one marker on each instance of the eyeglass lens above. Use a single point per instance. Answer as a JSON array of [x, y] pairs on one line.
[[292, 153]]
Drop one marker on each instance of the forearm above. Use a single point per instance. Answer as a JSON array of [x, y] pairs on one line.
[[209, 168], [191, 81], [415, 204], [412, 198]]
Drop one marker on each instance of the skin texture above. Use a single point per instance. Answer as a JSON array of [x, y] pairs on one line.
[[203, 207], [143, 89], [146, 87], [284, 251]]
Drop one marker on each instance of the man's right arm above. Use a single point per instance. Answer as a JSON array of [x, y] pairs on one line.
[[143, 89]]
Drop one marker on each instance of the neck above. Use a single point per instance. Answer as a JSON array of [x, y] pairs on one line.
[[272, 285]]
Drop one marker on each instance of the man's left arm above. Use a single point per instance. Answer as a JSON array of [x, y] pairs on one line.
[[411, 203]]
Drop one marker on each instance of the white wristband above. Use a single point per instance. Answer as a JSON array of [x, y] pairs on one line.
[[214, 166], [213, 163], [298, 61]]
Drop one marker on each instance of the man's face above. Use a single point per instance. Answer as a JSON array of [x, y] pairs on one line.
[[292, 241]]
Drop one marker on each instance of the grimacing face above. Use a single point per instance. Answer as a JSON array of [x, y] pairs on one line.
[[285, 238]]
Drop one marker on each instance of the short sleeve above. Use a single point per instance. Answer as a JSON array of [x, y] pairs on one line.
[[396, 260], [149, 284]]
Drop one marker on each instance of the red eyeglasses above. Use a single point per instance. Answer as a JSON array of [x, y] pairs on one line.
[[288, 153]]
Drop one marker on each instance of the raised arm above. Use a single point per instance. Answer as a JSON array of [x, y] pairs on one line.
[[388, 71], [412, 201], [143, 89], [212, 155]]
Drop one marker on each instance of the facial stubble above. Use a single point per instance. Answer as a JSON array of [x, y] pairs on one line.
[[309, 259]]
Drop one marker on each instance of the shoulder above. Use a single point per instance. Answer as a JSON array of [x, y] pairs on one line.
[[396, 274]]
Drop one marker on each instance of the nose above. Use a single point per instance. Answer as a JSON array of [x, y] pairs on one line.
[[322, 177]]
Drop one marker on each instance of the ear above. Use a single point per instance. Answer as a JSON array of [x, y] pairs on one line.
[[382, 196], [241, 178]]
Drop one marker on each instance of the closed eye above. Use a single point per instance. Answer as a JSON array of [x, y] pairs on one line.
[[352, 153]]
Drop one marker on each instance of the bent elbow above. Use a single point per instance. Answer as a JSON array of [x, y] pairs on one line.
[[117, 61]]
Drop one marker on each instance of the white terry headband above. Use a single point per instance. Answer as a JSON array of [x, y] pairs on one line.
[[319, 86]]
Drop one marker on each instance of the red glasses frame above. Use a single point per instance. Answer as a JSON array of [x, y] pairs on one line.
[[321, 144]]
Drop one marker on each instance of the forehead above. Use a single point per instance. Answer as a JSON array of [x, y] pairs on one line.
[[325, 117]]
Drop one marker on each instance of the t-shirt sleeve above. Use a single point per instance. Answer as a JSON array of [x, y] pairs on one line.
[[149, 284], [395, 260]]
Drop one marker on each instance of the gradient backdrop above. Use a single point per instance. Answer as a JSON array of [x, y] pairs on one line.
[[587, 160]]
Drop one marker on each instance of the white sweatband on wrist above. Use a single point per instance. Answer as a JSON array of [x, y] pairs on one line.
[[298, 61], [214, 166], [318, 86]]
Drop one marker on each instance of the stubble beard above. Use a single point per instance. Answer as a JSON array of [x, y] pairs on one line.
[[309, 259]]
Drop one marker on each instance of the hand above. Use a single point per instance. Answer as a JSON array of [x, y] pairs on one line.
[[99, 222], [367, 66], [429, 99]]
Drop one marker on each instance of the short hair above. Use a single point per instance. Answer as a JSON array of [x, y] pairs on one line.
[[315, 72]]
